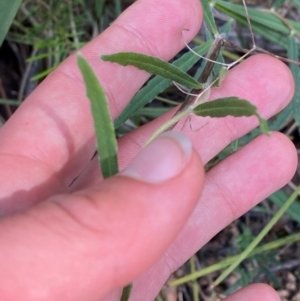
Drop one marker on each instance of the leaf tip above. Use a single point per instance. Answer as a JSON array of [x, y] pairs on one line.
[[79, 54], [263, 124]]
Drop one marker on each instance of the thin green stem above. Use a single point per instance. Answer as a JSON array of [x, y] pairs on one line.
[[229, 260]]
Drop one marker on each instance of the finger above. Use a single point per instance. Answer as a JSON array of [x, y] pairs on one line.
[[231, 188], [51, 137], [270, 91], [257, 292], [81, 246]]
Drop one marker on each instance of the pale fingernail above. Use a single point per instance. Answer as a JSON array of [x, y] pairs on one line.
[[162, 159]]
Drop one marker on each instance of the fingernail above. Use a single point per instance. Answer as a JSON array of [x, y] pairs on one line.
[[162, 159]]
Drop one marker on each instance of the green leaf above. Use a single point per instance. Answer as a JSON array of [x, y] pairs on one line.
[[259, 17], [293, 54], [105, 133], [8, 10], [209, 18], [266, 24], [126, 292], [153, 65], [230, 106], [159, 84], [222, 107]]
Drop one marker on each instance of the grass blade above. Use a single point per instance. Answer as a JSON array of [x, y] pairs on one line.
[[105, 133], [8, 10], [221, 265], [264, 23], [258, 239], [158, 84], [118, 8], [293, 54], [263, 18], [282, 118], [153, 65], [209, 18]]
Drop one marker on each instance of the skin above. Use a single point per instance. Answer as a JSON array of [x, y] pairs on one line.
[[63, 243]]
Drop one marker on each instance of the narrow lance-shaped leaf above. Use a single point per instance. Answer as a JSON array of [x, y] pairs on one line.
[[230, 106], [104, 128], [153, 65], [222, 107], [158, 84]]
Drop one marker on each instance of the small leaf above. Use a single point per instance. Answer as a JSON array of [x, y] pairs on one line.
[[153, 65], [105, 133], [230, 106], [222, 107]]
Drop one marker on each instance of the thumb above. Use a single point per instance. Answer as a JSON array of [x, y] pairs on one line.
[[83, 245]]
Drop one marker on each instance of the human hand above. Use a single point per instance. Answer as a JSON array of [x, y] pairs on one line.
[[92, 238]]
